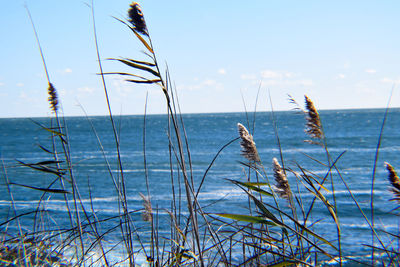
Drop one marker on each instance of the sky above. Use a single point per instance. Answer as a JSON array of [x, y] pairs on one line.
[[220, 54]]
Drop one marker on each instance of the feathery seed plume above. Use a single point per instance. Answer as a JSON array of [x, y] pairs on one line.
[[53, 99], [313, 125], [282, 184], [136, 18], [249, 150], [394, 181], [147, 214]]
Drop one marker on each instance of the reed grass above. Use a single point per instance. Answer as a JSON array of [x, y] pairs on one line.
[[249, 150], [313, 125], [282, 183], [394, 181], [279, 227]]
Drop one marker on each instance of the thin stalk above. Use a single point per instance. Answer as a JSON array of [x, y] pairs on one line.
[[21, 236], [66, 151], [127, 230], [147, 178], [291, 202], [182, 160], [94, 227], [374, 172]]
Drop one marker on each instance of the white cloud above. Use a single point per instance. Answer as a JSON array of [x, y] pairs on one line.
[[270, 83], [62, 92], [278, 78], [209, 82], [122, 87], [269, 74], [188, 87], [23, 95], [304, 82], [346, 65], [289, 74], [365, 87], [1, 84], [301, 82], [341, 76], [67, 70], [222, 71], [213, 84], [201, 84], [389, 80], [370, 71], [86, 89], [20, 84], [248, 77]]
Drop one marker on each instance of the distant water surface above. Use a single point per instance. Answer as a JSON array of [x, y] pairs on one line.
[[354, 132]]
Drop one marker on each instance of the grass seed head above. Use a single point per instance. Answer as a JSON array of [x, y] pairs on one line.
[[282, 184], [394, 181], [313, 125], [53, 99], [147, 215], [136, 18], [249, 150]]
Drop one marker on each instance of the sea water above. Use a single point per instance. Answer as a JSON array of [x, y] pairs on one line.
[[144, 142]]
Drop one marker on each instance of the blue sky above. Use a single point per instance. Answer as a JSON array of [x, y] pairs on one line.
[[342, 54]]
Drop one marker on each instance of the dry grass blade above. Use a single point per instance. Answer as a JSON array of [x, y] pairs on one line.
[[394, 181], [146, 44], [282, 184], [136, 18], [313, 125], [147, 215], [53, 99], [249, 150]]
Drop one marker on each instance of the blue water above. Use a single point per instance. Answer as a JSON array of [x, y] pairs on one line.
[[353, 131]]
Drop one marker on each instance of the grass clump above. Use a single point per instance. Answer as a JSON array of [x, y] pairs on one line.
[[31, 251]]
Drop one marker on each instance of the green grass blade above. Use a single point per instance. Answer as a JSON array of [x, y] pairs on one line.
[[45, 149], [49, 190], [246, 218], [283, 264], [317, 193], [42, 168], [141, 62], [253, 186], [47, 162], [48, 129], [143, 81], [265, 211], [122, 74], [137, 66]]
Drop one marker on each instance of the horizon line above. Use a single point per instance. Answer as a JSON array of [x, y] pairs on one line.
[[197, 113]]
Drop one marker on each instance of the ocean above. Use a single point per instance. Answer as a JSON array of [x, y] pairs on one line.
[[354, 132]]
